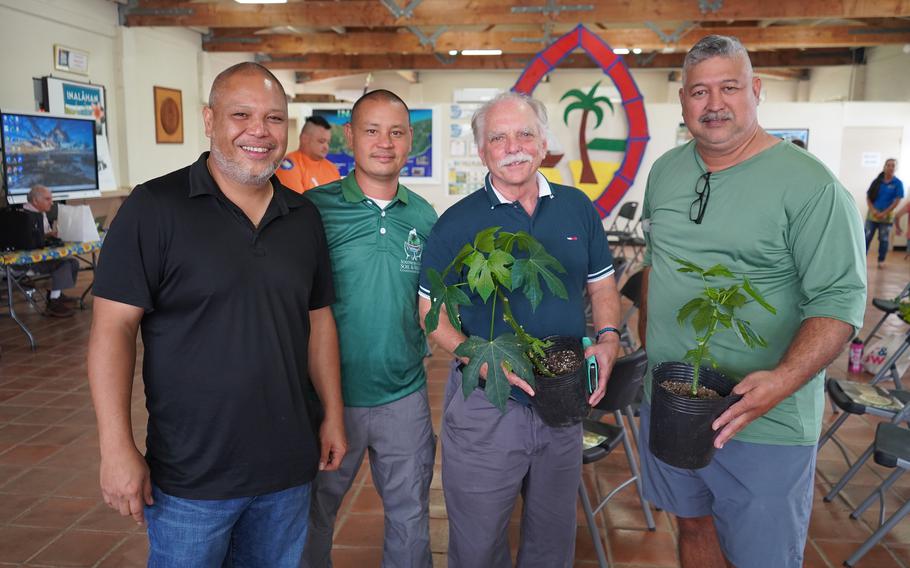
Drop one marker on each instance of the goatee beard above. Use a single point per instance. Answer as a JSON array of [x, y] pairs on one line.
[[238, 173]]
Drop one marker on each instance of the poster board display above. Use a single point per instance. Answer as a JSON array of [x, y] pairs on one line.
[[62, 96], [423, 164]]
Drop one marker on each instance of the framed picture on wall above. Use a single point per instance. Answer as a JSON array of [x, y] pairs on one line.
[[799, 136], [423, 164], [168, 116], [71, 60]]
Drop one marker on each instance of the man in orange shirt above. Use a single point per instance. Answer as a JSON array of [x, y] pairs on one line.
[[307, 167]]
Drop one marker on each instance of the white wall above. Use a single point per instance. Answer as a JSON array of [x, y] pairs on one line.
[[888, 73], [148, 61], [28, 31], [130, 61]]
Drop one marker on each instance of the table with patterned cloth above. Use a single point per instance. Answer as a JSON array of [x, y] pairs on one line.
[[15, 264]]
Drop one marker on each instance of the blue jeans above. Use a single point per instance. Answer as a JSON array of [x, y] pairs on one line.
[[884, 231], [266, 530]]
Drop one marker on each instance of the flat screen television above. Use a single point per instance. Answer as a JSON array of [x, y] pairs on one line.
[[57, 151]]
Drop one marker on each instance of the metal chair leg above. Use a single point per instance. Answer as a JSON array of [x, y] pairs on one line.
[[878, 534], [850, 473], [880, 490], [636, 474], [592, 526], [830, 431]]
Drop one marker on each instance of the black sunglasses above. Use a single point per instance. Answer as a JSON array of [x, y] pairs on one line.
[[703, 190]]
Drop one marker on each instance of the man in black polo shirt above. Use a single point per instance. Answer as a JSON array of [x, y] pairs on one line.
[[490, 457], [227, 273]]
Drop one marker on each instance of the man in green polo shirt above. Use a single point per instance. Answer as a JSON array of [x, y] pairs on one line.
[[376, 229], [768, 210]]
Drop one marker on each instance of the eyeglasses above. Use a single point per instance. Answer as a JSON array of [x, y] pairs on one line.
[[703, 190]]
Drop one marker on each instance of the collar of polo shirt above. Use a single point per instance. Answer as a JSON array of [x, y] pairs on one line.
[[543, 190], [352, 193]]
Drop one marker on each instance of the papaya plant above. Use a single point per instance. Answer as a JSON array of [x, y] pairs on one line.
[[494, 263], [714, 310]]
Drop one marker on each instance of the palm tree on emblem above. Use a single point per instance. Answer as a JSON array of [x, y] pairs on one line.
[[587, 103]]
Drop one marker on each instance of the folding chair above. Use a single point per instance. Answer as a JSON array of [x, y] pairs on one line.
[[623, 231], [860, 398], [889, 306], [887, 372], [891, 449], [631, 290], [625, 383]]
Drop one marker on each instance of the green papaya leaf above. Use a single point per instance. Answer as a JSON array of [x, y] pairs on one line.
[[702, 319], [687, 266], [441, 295], [719, 270], [500, 264], [505, 348], [485, 239], [459, 260], [526, 274], [684, 312], [480, 278], [747, 286]]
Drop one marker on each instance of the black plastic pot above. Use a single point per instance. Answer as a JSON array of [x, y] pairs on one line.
[[681, 433], [562, 400]]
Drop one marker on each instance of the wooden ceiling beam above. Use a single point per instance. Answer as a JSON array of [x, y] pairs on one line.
[[394, 62], [372, 14], [775, 37]]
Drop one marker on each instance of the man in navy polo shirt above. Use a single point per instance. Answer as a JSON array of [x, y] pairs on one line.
[[228, 274], [489, 458]]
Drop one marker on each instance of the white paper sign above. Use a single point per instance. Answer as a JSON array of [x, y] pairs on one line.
[[872, 160]]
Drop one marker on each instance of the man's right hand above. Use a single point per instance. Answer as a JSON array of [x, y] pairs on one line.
[[126, 484]]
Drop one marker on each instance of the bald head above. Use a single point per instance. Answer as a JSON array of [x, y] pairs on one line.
[[245, 68], [40, 197]]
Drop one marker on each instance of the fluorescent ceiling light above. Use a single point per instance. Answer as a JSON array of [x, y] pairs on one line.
[[620, 51], [481, 52], [453, 52], [636, 50], [261, 1]]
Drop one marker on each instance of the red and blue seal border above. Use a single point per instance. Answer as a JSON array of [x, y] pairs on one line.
[[632, 102]]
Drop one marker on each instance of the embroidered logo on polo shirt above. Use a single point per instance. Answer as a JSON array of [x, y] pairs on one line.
[[287, 164], [572, 238], [413, 250]]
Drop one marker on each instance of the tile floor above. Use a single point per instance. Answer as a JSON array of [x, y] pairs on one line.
[[51, 513]]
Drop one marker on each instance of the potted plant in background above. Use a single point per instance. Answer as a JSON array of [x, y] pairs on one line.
[[496, 262], [686, 397]]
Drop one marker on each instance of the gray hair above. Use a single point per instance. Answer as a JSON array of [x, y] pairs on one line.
[[715, 46], [480, 116], [36, 191]]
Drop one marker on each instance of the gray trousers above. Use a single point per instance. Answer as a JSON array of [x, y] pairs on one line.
[[488, 459], [402, 446], [63, 272]]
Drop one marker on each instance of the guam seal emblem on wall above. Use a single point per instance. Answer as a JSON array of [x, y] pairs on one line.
[[606, 177]]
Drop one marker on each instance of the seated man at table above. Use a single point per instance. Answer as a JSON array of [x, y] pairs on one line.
[[63, 271]]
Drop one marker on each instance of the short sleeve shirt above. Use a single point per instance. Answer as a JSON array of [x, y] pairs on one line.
[[225, 331], [887, 193], [376, 256], [566, 224], [781, 219]]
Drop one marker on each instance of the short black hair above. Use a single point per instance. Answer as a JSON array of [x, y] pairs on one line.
[[319, 121], [380, 95]]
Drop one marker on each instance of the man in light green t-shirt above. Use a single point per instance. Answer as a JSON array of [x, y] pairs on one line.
[[376, 229], [737, 196]]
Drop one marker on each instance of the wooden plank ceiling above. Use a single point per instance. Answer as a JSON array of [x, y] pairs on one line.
[[327, 38]]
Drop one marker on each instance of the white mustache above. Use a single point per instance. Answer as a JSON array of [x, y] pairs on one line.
[[710, 116], [514, 159]]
